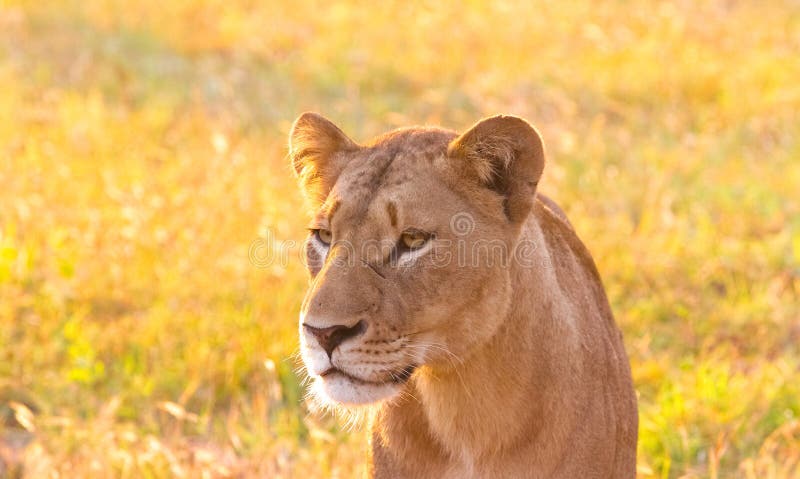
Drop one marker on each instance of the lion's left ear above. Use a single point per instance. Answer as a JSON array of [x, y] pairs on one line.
[[506, 155]]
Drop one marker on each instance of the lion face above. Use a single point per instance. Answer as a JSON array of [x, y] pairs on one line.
[[407, 251]]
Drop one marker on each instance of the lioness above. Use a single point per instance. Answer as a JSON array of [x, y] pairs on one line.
[[449, 294]]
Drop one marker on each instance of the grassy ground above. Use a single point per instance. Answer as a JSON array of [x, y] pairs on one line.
[[142, 152]]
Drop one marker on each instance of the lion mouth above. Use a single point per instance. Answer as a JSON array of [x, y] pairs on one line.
[[398, 377]]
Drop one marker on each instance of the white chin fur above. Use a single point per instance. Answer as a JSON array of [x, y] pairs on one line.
[[337, 388]]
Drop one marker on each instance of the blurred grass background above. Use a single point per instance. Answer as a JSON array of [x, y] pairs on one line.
[[142, 151]]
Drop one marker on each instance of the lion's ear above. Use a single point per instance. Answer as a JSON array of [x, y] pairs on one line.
[[506, 155], [317, 151]]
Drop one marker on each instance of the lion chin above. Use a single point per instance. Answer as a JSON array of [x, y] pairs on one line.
[[340, 389]]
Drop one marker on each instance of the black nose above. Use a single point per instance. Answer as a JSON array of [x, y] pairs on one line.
[[333, 336]]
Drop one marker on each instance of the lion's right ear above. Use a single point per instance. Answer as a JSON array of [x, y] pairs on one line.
[[317, 151]]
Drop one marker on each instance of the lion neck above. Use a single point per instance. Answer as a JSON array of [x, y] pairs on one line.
[[502, 392]]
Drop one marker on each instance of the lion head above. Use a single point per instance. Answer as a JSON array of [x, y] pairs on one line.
[[408, 247]]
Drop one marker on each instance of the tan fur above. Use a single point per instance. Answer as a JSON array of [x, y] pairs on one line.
[[519, 368]]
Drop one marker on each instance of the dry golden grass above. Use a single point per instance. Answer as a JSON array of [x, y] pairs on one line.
[[142, 153]]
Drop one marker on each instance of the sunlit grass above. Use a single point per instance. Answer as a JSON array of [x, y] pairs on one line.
[[142, 153]]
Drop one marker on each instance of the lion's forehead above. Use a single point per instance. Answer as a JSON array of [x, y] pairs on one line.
[[395, 158], [399, 167]]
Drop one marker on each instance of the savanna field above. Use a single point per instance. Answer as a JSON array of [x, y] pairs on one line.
[[143, 154]]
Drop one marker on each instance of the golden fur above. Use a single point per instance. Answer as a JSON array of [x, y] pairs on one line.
[[491, 351]]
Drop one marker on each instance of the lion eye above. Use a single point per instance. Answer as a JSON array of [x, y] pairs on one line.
[[414, 239], [325, 236]]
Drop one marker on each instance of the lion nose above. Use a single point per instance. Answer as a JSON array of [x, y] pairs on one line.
[[332, 336]]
